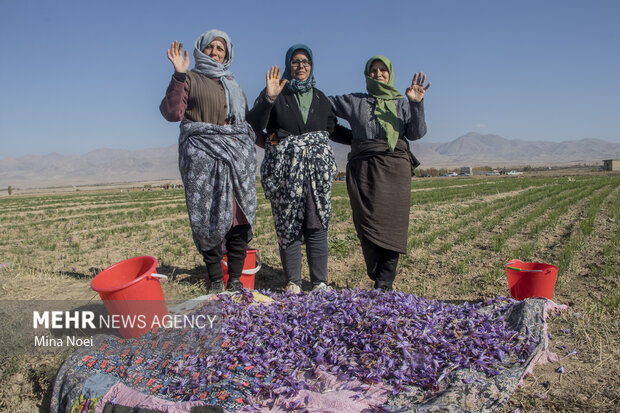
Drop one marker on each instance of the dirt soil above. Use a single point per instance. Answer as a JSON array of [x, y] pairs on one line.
[[586, 337]]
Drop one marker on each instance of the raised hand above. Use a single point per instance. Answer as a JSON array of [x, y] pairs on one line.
[[175, 55], [416, 91], [274, 85]]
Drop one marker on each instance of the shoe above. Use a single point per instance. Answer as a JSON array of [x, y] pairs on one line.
[[321, 287], [383, 287], [216, 287], [293, 288], [234, 285]]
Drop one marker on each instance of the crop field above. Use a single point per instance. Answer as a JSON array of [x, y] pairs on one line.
[[462, 232]]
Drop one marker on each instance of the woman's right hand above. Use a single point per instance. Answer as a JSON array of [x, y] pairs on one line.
[[274, 85], [175, 55]]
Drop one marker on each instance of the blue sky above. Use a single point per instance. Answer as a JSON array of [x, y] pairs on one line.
[[78, 75]]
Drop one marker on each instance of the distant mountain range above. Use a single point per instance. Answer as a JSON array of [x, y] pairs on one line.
[[115, 165], [478, 150]]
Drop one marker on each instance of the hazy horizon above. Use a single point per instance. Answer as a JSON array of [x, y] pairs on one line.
[[411, 142]]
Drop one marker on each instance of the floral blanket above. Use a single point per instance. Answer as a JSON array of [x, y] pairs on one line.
[[338, 351]]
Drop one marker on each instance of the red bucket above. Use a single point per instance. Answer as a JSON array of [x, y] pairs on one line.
[[531, 279], [132, 295], [251, 266]]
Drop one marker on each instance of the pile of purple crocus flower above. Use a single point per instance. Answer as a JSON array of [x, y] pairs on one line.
[[368, 336]]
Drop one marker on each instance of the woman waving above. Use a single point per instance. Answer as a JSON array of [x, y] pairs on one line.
[[380, 164], [299, 165], [217, 158]]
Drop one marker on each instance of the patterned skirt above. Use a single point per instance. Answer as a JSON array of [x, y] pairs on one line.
[[217, 163], [293, 168]]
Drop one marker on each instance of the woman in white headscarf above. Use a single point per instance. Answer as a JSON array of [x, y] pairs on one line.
[[217, 158]]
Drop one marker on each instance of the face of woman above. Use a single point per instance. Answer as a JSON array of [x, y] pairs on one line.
[[216, 50], [379, 71], [300, 65]]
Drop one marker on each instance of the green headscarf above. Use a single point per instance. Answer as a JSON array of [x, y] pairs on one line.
[[385, 111]]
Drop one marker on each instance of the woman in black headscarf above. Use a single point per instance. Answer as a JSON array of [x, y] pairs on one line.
[[299, 165], [217, 157]]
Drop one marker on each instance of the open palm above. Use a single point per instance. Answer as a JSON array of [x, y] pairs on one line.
[[175, 55], [417, 90], [274, 85]]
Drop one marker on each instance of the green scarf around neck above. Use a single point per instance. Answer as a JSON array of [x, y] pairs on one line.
[[385, 110]]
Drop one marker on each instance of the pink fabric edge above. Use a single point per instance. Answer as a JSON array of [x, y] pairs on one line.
[[546, 355], [126, 396], [329, 395]]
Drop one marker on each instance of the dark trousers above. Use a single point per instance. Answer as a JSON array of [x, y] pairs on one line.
[[316, 251], [380, 264], [236, 247]]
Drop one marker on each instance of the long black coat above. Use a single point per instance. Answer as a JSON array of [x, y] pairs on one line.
[[283, 117]]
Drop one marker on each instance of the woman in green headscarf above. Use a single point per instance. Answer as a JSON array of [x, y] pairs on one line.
[[380, 164]]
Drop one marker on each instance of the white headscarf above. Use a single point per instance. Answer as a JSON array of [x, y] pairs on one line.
[[235, 98]]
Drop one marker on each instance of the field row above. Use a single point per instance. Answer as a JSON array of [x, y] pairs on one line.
[[458, 221], [462, 232]]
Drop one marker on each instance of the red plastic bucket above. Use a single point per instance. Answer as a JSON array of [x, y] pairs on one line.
[[531, 279], [132, 295], [251, 266]]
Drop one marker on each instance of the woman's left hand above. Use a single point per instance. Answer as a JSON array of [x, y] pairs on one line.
[[415, 92]]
